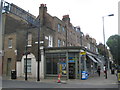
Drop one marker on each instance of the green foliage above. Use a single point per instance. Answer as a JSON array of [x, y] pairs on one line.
[[113, 43]]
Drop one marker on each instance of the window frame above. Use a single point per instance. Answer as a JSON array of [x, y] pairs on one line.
[[59, 27], [10, 40], [29, 65]]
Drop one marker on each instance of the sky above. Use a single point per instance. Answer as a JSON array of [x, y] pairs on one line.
[[84, 13]]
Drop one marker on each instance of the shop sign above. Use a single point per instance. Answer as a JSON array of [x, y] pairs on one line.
[[71, 61], [82, 53]]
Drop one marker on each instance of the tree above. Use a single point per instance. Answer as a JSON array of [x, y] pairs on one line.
[[113, 43]]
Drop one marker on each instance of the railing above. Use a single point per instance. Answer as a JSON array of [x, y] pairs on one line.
[[12, 8]]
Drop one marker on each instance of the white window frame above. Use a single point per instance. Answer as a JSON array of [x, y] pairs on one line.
[[50, 41], [63, 43], [29, 65], [29, 39], [59, 42], [10, 43]]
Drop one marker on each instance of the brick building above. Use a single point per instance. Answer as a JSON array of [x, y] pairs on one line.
[[53, 33]]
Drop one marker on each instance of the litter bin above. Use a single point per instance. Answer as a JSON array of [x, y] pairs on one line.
[[13, 74], [112, 71], [84, 75]]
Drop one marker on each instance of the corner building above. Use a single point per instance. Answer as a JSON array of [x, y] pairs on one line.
[[55, 34]]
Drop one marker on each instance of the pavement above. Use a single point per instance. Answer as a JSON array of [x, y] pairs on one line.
[[112, 79], [92, 82]]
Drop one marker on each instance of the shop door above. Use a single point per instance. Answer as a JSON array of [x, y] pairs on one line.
[[71, 70], [9, 67]]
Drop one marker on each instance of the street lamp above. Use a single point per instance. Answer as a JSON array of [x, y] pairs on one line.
[[104, 33], [38, 68], [26, 53]]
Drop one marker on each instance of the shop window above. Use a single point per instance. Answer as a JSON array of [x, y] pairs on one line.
[[56, 63]]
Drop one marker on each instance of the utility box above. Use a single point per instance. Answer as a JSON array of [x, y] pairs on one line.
[[84, 75], [13, 74]]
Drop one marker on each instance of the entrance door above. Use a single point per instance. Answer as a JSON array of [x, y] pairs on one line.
[[9, 66], [71, 70]]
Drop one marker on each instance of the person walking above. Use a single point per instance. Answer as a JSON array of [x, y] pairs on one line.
[[105, 71], [98, 70]]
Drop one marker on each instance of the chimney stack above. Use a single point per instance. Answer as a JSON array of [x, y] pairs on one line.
[[66, 18], [43, 7]]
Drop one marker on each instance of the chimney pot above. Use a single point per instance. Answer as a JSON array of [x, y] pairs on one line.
[[42, 5]]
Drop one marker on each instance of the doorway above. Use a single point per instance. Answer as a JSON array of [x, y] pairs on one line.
[[71, 70], [9, 66]]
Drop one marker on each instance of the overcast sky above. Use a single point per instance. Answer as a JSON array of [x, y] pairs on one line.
[[84, 13]]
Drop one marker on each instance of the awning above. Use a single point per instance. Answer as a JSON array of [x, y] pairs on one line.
[[99, 60], [92, 59]]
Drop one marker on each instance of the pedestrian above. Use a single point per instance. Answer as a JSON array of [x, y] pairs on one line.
[[105, 71], [98, 70]]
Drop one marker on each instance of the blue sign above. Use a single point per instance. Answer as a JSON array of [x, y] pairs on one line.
[[71, 61]]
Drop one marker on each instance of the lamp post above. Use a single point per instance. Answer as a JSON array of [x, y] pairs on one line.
[[104, 33], [38, 68], [26, 53]]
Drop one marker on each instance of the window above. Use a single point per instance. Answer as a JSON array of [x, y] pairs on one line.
[[50, 42], [63, 43], [53, 63], [88, 45], [29, 39], [59, 41], [28, 65], [58, 27], [10, 43], [63, 29]]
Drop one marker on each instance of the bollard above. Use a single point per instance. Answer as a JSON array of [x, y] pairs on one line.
[[59, 76], [118, 75]]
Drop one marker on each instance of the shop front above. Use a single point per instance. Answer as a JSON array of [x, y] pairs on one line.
[[68, 62]]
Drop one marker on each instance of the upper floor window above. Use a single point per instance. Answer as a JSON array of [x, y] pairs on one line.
[[63, 43], [63, 29], [59, 42], [50, 42], [10, 43], [88, 45], [58, 27], [29, 39]]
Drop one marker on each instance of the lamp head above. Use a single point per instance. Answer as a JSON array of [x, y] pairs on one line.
[[111, 15]]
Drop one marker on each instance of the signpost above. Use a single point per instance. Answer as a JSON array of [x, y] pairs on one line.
[[1, 37]]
